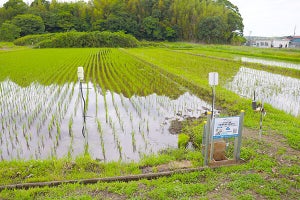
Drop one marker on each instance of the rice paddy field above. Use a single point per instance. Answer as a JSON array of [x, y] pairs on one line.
[[128, 101]]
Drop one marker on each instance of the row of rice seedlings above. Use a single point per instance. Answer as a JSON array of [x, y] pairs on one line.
[[280, 91], [112, 74], [151, 79], [137, 107], [39, 116], [100, 131], [103, 83], [42, 117], [29, 119]]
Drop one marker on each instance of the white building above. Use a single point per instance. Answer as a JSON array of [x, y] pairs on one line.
[[263, 43], [280, 43], [270, 43]]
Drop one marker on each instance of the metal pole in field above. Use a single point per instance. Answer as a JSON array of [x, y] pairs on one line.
[[213, 100], [204, 143], [80, 74], [238, 140], [207, 138], [261, 119], [213, 81]]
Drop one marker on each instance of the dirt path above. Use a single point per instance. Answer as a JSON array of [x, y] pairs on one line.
[[276, 145]]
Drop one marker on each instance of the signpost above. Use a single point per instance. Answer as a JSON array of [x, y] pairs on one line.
[[213, 79], [220, 128]]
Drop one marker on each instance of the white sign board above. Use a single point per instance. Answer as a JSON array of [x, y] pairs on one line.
[[213, 78], [80, 73], [226, 127]]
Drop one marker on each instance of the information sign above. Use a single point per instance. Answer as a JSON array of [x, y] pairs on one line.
[[226, 127]]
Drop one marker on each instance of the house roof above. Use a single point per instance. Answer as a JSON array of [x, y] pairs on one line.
[[293, 37]]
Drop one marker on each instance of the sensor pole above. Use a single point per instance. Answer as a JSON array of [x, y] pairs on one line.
[[80, 74]]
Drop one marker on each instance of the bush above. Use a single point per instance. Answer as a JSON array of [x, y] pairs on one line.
[[183, 140], [33, 39], [79, 39]]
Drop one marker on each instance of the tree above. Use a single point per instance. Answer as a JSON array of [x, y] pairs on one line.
[[9, 32], [40, 3], [103, 9], [170, 34], [234, 20], [65, 21], [151, 28], [29, 24], [145, 19], [212, 30], [235, 25], [14, 7]]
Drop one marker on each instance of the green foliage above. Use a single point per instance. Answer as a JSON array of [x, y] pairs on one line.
[[152, 20], [30, 40], [183, 140], [241, 183], [9, 32], [11, 9], [212, 30], [79, 39], [29, 24], [169, 155]]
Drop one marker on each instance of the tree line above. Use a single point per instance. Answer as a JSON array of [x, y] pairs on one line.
[[209, 21]]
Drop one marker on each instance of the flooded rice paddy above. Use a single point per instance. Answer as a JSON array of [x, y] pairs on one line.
[[271, 62], [281, 92], [40, 122]]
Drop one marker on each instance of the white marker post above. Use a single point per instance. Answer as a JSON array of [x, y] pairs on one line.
[[80, 74], [213, 81]]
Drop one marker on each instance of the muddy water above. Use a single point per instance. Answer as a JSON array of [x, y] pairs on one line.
[[281, 92], [39, 122], [271, 62]]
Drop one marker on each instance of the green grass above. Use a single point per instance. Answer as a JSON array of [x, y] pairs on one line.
[[260, 177], [9, 46]]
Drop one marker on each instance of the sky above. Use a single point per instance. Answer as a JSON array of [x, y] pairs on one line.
[[263, 17], [269, 17]]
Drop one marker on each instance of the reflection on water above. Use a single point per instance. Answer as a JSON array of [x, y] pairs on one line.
[[280, 91], [271, 63], [39, 122]]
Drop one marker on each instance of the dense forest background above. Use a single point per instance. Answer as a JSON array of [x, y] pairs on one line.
[[209, 21]]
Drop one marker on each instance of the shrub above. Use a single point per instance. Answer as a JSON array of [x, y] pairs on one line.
[[183, 140], [79, 39], [33, 39]]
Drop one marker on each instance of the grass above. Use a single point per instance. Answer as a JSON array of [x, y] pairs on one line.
[[261, 177], [272, 165]]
